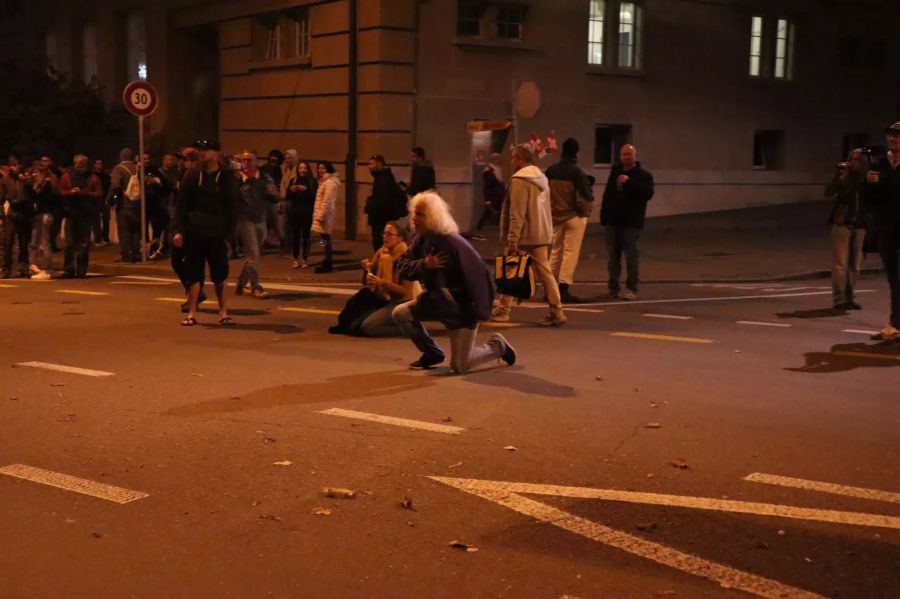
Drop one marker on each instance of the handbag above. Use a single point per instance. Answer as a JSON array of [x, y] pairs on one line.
[[514, 276]]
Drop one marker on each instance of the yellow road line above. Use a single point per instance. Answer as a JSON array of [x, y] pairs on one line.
[[5, 286], [72, 483], [80, 292], [861, 354], [823, 487], [180, 300], [663, 338], [502, 325], [136, 283], [311, 311]]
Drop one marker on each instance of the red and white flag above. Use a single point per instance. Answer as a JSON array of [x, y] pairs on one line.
[[537, 146], [551, 142]]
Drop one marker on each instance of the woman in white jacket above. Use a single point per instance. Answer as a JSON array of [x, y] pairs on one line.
[[323, 213]]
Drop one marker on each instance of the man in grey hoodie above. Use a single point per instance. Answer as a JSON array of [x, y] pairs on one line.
[[526, 227]]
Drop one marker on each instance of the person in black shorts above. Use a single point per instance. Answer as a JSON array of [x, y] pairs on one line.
[[205, 215]]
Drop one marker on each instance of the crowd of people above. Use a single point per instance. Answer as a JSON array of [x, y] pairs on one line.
[[204, 208]]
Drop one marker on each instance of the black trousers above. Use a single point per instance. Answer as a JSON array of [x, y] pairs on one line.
[[15, 228], [377, 233], [300, 224], [890, 257], [129, 221], [78, 244], [101, 225], [329, 249]]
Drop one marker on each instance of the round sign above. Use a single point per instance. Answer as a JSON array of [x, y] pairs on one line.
[[527, 99], [140, 98]]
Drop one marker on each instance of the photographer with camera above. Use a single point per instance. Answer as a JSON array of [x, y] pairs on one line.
[[848, 228], [883, 193]]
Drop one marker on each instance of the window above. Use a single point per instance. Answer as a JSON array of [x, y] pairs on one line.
[[614, 34], [468, 18], [51, 53], [136, 32], [756, 43], [596, 23], [608, 142], [771, 48], [89, 53], [280, 36], [784, 49], [629, 35], [301, 33], [768, 150], [509, 22], [273, 40]]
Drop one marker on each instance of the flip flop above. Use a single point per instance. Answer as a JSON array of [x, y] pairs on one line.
[[189, 321], [227, 321]]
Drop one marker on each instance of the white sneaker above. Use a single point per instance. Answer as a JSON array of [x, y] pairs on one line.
[[499, 315], [41, 275], [889, 333], [628, 295]]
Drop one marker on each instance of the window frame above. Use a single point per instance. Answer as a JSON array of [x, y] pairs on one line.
[[620, 134], [777, 52], [597, 24], [500, 22], [478, 9], [617, 58]]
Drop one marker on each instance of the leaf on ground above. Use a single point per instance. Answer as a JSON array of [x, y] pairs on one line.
[[270, 517], [339, 492], [407, 503], [599, 378], [446, 419], [282, 463], [653, 425], [463, 546], [454, 466], [647, 526], [679, 463], [510, 448], [321, 511]]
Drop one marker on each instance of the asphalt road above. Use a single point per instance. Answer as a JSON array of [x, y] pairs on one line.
[[223, 430]]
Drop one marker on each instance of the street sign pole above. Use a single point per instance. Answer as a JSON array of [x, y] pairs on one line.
[[143, 189]]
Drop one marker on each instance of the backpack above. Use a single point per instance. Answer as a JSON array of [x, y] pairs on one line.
[[133, 189]]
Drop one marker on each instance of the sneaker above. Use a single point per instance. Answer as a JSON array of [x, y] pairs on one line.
[[427, 361], [629, 295], [260, 293], [842, 306], [296, 264], [499, 315], [888, 333], [42, 275], [554, 320], [509, 352], [239, 290], [855, 306], [33, 269], [565, 296]]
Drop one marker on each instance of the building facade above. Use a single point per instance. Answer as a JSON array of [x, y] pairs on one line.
[[731, 103]]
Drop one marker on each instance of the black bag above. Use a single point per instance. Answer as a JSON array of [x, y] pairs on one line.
[[514, 276], [355, 311]]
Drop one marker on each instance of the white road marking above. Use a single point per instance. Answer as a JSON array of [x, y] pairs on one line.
[[275, 286], [668, 316], [860, 332], [155, 284], [417, 424], [5, 286], [593, 311], [698, 299], [765, 324], [68, 369], [814, 485], [79, 292], [506, 494], [72, 483]]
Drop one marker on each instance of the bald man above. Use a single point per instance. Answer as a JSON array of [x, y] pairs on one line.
[[628, 189]]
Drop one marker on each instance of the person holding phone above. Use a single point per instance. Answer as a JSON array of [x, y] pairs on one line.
[[848, 229]]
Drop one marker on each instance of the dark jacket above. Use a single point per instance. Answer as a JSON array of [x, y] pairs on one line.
[[567, 184], [884, 198], [302, 202], [105, 181], [493, 187], [207, 203], [421, 178], [12, 190], [43, 194], [256, 193], [626, 207], [156, 189], [387, 201], [849, 207], [461, 293], [88, 202]]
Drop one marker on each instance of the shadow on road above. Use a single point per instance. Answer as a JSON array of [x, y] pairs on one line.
[[850, 356], [816, 313], [341, 388], [513, 378]]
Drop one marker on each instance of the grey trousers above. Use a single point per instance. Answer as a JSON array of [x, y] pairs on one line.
[[252, 236], [41, 228], [846, 261]]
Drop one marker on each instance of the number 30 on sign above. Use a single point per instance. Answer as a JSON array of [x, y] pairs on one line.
[[140, 98]]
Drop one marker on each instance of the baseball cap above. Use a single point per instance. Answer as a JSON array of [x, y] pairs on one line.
[[893, 129], [207, 144]]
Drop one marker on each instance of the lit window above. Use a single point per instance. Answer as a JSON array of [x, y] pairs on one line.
[[629, 35], [136, 30], [509, 22], [784, 49], [89, 53], [301, 46], [756, 39], [273, 41], [595, 32]]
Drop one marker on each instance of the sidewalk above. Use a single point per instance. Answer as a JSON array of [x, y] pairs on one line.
[[755, 244]]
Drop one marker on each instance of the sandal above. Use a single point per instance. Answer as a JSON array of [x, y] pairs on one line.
[[189, 321], [227, 321]]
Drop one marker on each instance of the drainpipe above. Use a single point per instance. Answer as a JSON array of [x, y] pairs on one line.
[[352, 124]]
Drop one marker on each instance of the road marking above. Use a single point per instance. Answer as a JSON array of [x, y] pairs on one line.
[[860, 332], [310, 310], [68, 369], [668, 316], [134, 283], [417, 424], [72, 483], [663, 337], [568, 309], [275, 286], [698, 299], [755, 323], [79, 292], [506, 494], [860, 354], [822, 487], [5, 286], [180, 300], [501, 325]]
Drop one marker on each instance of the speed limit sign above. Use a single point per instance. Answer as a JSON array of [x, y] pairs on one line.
[[140, 98]]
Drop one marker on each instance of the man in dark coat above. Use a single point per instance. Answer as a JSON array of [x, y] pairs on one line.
[[387, 201], [624, 208], [421, 176]]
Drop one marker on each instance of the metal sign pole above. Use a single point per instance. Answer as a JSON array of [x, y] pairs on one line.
[[143, 189]]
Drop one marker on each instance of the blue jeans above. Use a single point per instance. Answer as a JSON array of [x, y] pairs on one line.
[[621, 240], [252, 236]]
